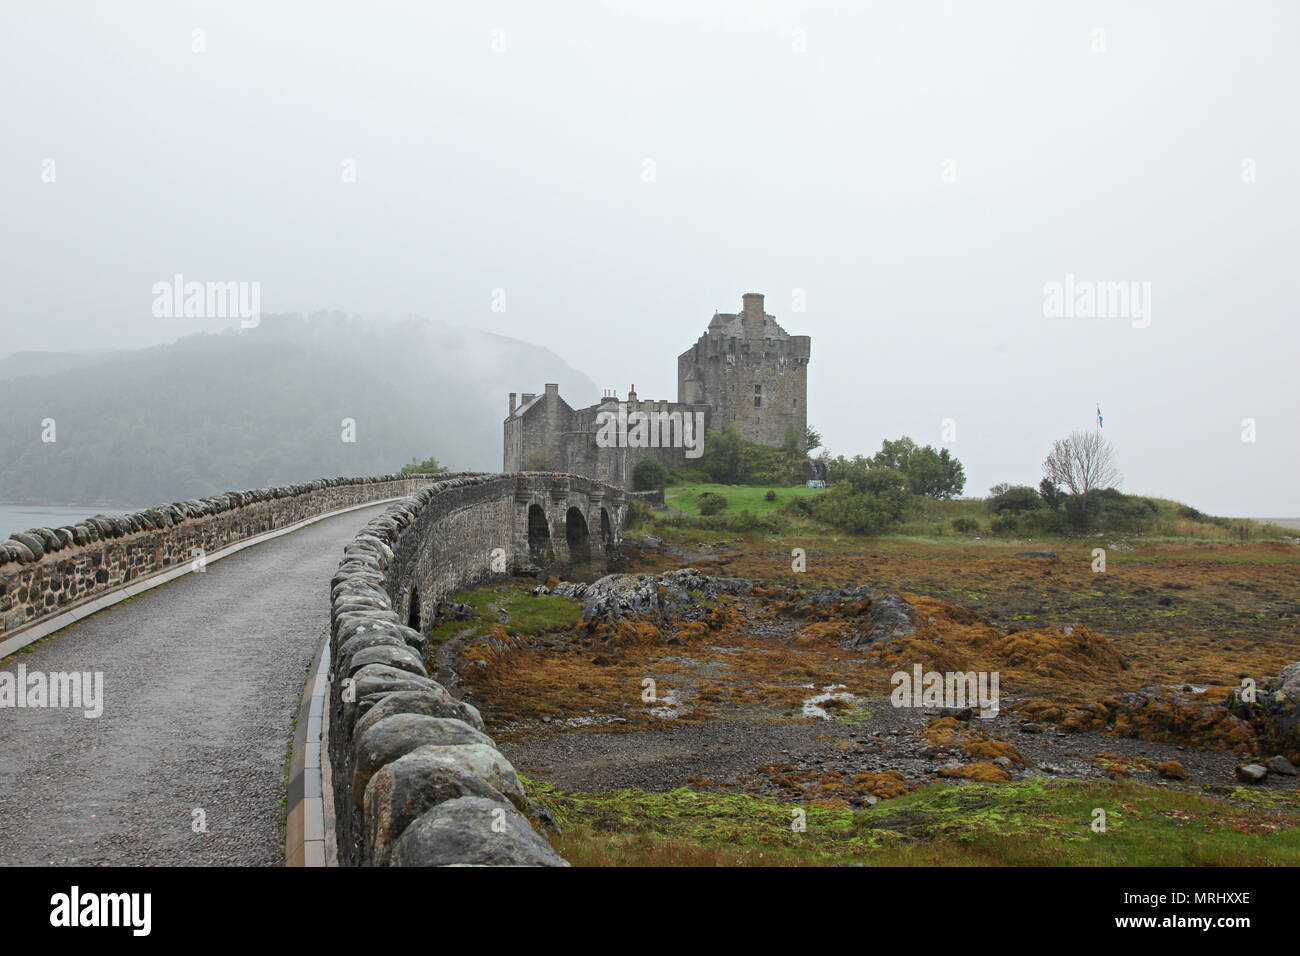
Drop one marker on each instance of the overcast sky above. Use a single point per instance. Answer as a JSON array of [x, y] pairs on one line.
[[921, 170]]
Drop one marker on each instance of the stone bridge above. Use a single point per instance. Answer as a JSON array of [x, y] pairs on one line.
[[199, 680], [505, 524]]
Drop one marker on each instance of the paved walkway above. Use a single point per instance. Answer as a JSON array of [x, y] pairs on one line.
[[201, 684]]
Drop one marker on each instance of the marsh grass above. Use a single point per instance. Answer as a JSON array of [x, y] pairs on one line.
[[1031, 822]]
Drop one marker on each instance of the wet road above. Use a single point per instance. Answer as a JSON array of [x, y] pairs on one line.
[[201, 680]]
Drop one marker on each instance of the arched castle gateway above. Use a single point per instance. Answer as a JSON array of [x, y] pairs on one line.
[[744, 370]]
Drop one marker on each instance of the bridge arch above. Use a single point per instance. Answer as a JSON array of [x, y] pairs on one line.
[[413, 610], [539, 535], [577, 537], [606, 531]]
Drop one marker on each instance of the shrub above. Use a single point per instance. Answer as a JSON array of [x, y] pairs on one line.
[[771, 495], [748, 522], [1171, 770], [1016, 500], [965, 525], [712, 503], [1006, 524], [649, 475], [745, 523], [638, 513], [931, 472], [862, 512], [429, 466], [801, 507], [1109, 510], [731, 460]]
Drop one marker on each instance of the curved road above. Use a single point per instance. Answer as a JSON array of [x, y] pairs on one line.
[[202, 678]]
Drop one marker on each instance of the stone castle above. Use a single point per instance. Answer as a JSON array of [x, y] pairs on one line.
[[744, 370]]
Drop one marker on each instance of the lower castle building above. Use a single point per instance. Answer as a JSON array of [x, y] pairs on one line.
[[744, 370]]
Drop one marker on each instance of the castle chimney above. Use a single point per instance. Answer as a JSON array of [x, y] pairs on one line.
[[752, 314], [631, 395], [552, 389], [512, 403]]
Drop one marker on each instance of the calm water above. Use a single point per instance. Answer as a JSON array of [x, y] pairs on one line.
[[21, 517], [1284, 522]]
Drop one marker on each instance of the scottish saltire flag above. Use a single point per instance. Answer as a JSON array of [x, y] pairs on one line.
[[1098, 416]]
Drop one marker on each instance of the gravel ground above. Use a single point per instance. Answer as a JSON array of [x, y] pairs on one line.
[[202, 679], [727, 751]]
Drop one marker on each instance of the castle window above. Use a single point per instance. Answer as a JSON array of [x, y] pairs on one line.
[[758, 396]]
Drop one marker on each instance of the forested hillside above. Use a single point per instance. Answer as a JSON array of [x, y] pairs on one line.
[[212, 413]]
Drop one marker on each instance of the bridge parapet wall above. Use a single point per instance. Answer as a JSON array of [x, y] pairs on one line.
[[415, 779], [46, 571]]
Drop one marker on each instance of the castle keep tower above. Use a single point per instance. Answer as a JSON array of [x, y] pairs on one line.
[[744, 370], [751, 372]]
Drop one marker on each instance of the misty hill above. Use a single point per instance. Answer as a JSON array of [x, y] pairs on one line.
[[211, 413], [22, 364]]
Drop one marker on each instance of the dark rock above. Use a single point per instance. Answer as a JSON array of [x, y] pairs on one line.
[[355, 602], [354, 618], [361, 642], [403, 658], [889, 619], [356, 627], [1280, 765], [1275, 709], [617, 596], [414, 639], [399, 792], [19, 552], [390, 738], [382, 679], [431, 703], [450, 611], [473, 831], [1251, 773], [483, 761], [31, 542]]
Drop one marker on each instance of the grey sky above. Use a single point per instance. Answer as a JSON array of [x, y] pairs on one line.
[[775, 171]]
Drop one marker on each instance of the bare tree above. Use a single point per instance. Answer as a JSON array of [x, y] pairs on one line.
[[1083, 462]]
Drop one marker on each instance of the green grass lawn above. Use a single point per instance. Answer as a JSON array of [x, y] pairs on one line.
[[740, 498], [932, 519], [1032, 822], [514, 608]]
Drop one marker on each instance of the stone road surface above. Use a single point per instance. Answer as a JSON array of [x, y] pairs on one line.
[[201, 684]]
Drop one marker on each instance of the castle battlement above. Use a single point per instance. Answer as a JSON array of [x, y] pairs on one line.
[[753, 372]]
